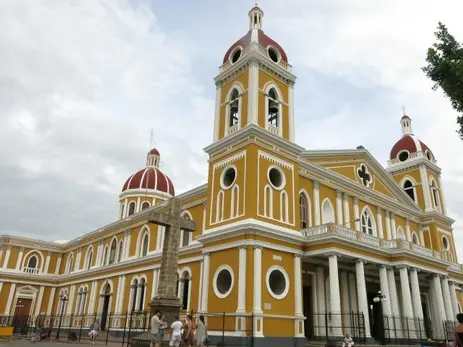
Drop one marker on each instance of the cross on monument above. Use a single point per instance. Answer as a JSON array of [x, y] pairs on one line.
[[364, 175], [166, 299]]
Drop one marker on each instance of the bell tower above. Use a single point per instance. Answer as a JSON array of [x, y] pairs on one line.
[[254, 85]]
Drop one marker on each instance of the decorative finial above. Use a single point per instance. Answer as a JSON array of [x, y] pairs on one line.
[[403, 109], [256, 3]]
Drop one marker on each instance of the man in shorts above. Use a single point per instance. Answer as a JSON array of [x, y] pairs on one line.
[[156, 330], [176, 338]]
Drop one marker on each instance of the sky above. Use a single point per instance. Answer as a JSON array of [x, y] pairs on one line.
[[83, 82]]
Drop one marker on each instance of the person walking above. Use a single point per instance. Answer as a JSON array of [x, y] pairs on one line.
[[156, 330], [188, 332], [94, 331], [176, 337], [201, 332]]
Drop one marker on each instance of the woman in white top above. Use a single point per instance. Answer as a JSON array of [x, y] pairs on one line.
[[201, 331], [176, 333]]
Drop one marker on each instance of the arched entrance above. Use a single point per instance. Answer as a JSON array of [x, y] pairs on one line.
[[106, 299]]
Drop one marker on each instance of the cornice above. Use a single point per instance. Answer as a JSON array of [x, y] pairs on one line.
[[256, 130], [413, 162]]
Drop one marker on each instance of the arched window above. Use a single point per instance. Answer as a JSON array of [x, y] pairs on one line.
[[131, 208], [144, 246], [134, 289], [105, 255], [89, 259], [121, 251], [303, 211], [112, 252], [141, 293], [400, 233], [69, 263], [220, 207], [409, 189], [268, 202], [233, 112], [366, 222], [184, 290], [273, 116], [235, 201], [327, 212], [284, 212], [415, 239], [32, 264], [145, 205], [435, 194]]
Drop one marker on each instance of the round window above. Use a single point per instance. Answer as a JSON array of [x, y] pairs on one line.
[[276, 178], [273, 54], [428, 155], [277, 282], [403, 156], [445, 243], [228, 177], [223, 281], [236, 55]]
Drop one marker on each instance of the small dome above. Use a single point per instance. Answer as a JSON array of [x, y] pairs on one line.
[[154, 151], [150, 178], [409, 143], [256, 35]]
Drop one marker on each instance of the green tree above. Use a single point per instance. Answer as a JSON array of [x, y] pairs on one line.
[[445, 68]]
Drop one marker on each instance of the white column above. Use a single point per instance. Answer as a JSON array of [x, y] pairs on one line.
[[346, 210], [71, 299], [154, 283], [439, 301], [257, 301], [442, 199], [7, 257], [379, 222], [253, 93], [51, 299], [416, 294], [242, 280], [339, 207], [99, 253], [447, 299], [426, 190], [257, 297], [396, 322], [218, 102], [407, 307], [420, 235], [47, 263], [120, 290], [77, 261], [139, 290], [58, 264], [335, 298], [321, 299], [9, 301], [386, 304], [316, 202], [393, 227], [408, 234], [291, 113], [200, 289], [356, 214], [297, 285], [204, 296], [362, 295], [128, 241], [453, 296], [20, 259], [345, 303], [91, 307], [38, 303], [352, 292], [388, 226]]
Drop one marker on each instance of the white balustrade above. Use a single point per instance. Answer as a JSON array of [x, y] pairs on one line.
[[31, 270]]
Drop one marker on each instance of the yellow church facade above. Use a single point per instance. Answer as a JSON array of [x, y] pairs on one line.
[[291, 242]]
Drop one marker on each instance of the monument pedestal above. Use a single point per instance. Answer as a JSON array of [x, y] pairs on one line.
[[170, 307]]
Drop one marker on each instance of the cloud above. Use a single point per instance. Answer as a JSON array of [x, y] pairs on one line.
[[83, 82]]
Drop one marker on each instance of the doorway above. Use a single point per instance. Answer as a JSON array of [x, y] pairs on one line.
[[105, 311], [308, 312], [21, 315]]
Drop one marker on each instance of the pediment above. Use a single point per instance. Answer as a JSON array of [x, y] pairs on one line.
[[361, 168]]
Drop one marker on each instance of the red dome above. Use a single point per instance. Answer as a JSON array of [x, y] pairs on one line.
[[409, 143], [150, 178], [263, 40]]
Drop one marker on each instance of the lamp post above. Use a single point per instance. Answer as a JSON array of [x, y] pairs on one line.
[[351, 221], [378, 299], [63, 299]]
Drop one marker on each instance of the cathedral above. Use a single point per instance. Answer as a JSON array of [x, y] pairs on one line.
[[290, 244]]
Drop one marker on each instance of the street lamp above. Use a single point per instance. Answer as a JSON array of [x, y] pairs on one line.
[[63, 299], [379, 297]]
